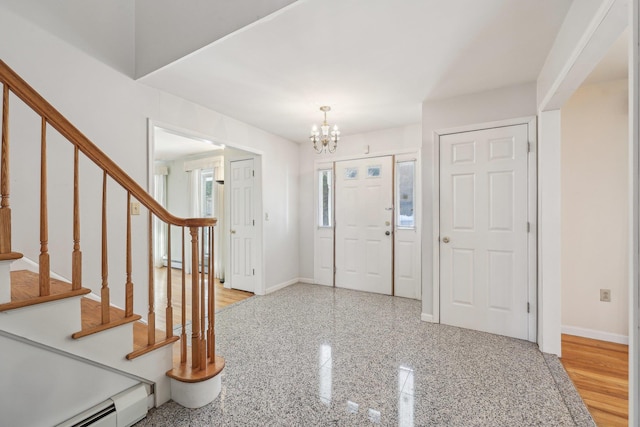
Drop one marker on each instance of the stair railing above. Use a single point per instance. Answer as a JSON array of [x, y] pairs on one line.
[[200, 229]]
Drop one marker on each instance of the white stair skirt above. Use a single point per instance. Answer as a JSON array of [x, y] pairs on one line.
[[5, 281]]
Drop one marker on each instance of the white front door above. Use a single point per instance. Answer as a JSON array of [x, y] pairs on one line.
[[483, 230], [242, 226], [364, 224]]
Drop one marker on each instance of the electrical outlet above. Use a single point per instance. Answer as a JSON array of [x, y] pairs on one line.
[[135, 208], [605, 295]]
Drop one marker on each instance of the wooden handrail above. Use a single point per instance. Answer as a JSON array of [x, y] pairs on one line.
[[56, 120]]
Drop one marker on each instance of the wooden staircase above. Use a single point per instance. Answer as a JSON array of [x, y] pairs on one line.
[[25, 293], [195, 361]]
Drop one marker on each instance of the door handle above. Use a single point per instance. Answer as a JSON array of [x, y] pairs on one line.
[[387, 233], [233, 231], [445, 240]]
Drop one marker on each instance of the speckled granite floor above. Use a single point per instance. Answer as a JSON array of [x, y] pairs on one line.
[[312, 355]]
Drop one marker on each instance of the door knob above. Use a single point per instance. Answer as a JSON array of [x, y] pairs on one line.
[[445, 240], [387, 233], [233, 231]]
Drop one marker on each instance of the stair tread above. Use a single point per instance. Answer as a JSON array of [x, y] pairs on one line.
[[92, 323], [140, 337], [141, 340], [91, 311], [25, 290], [186, 373], [24, 286], [10, 256]]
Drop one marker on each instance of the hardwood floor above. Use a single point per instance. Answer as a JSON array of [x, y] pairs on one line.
[[223, 296], [599, 370]]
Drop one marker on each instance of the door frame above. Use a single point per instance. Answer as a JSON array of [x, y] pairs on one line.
[[532, 239], [326, 163]]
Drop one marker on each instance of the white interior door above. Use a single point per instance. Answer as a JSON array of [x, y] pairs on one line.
[[483, 230], [364, 224], [242, 226]]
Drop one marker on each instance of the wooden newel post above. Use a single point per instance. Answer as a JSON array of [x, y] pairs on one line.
[[195, 301], [5, 210]]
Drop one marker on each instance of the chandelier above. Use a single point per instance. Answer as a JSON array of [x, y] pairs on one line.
[[325, 140]]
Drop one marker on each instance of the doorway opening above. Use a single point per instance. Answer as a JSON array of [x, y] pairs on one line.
[[594, 168], [188, 176]]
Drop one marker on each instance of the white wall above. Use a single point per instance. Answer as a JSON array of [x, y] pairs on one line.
[[178, 204], [595, 210], [104, 30], [47, 388], [350, 146], [499, 104], [112, 110], [166, 30]]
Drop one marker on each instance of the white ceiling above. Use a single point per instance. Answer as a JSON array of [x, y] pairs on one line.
[[168, 145], [372, 61]]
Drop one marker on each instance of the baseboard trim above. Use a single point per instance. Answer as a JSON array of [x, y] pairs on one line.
[[25, 263], [426, 317], [595, 335], [306, 280], [281, 286]]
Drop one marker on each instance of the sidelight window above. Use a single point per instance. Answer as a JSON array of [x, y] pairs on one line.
[[405, 193], [325, 199]]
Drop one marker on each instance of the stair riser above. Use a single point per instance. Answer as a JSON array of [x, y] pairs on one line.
[[51, 323]]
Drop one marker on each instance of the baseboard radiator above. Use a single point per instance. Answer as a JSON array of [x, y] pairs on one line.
[[122, 410]]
